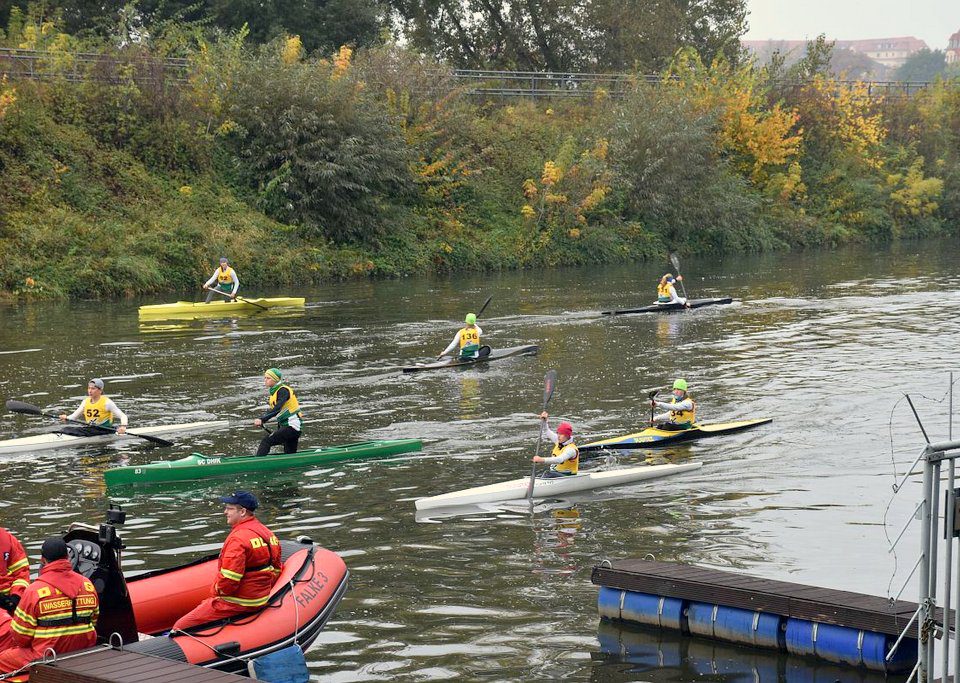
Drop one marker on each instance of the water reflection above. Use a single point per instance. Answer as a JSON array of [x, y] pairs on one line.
[[503, 593], [631, 653]]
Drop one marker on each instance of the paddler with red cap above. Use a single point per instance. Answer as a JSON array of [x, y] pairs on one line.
[[565, 458]]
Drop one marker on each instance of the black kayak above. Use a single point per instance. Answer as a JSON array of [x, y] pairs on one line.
[[668, 308], [529, 350]]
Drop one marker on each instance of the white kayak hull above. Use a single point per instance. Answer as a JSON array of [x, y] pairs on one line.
[[516, 489], [50, 440]]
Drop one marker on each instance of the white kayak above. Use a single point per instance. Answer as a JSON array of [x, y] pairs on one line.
[[516, 489], [40, 442]]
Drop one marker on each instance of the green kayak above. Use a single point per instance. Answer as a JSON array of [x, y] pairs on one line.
[[199, 466]]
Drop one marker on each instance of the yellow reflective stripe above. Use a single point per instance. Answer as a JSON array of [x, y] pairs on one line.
[[63, 631], [22, 630], [226, 573], [17, 565], [256, 602], [20, 582], [23, 616]]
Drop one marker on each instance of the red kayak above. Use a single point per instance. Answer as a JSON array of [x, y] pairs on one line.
[[141, 608]]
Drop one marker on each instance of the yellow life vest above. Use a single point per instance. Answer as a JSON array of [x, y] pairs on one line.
[[224, 277], [663, 292], [95, 412], [469, 336], [288, 409], [573, 464], [684, 417]]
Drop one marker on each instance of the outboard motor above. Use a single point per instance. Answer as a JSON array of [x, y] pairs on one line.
[[95, 553]]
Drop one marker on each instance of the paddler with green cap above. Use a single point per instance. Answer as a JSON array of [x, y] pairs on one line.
[[286, 409], [468, 339], [682, 409]]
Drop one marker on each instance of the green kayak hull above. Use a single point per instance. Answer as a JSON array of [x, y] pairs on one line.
[[199, 466]]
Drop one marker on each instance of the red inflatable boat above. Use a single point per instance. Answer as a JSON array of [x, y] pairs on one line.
[[141, 608]]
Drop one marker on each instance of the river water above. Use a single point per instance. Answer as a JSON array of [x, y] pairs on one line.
[[823, 343]]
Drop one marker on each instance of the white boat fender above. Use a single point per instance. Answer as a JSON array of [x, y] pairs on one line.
[[283, 666]]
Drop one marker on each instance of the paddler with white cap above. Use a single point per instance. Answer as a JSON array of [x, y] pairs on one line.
[[97, 410]]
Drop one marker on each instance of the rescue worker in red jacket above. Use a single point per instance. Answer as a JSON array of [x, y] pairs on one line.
[[14, 571], [58, 611], [249, 566]]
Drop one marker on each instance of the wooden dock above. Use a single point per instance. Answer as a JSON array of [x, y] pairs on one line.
[[106, 665], [812, 603]]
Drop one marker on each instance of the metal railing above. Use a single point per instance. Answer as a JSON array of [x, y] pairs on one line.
[[77, 67], [927, 511], [84, 66]]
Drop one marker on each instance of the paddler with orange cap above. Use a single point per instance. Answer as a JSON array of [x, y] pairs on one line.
[[565, 458]]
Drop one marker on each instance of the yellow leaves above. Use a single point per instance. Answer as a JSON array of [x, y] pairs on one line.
[[761, 140], [851, 115], [341, 62], [227, 128], [594, 199], [912, 194], [530, 190], [292, 50], [600, 149], [552, 174], [551, 198], [8, 96], [361, 267], [186, 190], [528, 211], [573, 233]]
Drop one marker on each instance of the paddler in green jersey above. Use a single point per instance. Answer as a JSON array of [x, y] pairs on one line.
[[682, 409], [468, 339], [226, 279], [285, 407]]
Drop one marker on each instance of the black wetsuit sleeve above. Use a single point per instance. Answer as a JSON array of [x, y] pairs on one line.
[[283, 395]]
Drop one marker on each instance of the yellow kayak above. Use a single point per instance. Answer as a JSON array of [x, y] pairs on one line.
[[190, 309]]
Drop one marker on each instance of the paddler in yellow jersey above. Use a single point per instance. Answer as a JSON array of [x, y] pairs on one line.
[[468, 339], [564, 461], [97, 409], [667, 293], [226, 278], [682, 409], [285, 407]]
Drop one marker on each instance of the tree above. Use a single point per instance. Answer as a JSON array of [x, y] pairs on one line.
[[923, 65], [567, 35], [322, 25]]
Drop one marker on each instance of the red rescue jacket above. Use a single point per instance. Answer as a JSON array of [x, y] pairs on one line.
[[14, 566], [59, 610], [249, 564]]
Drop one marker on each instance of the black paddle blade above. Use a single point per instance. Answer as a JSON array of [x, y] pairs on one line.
[[21, 407], [153, 439], [549, 384], [485, 304], [652, 393]]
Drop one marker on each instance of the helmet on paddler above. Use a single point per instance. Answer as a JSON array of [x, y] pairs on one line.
[[471, 319], [565, 428], [680, 384]]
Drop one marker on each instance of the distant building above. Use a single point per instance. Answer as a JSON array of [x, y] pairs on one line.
[[953, 49], [890, 52]]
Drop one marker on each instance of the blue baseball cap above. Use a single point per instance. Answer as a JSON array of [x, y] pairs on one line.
[[244, 499]]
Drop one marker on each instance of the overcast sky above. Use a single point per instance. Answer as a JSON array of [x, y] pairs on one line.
[[930, 20]]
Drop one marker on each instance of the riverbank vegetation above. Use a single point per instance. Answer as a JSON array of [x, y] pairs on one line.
[[128, 173]]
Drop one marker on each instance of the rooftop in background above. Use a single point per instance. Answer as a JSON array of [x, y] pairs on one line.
[[888, 52]]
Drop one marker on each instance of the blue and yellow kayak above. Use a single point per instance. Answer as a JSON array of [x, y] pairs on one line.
[[651, 437]]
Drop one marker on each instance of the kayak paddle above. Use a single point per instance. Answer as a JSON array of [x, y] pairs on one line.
[[651, 395], [238, 298], [549, 382], [676, 264], [485, 304], [27, 409]]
